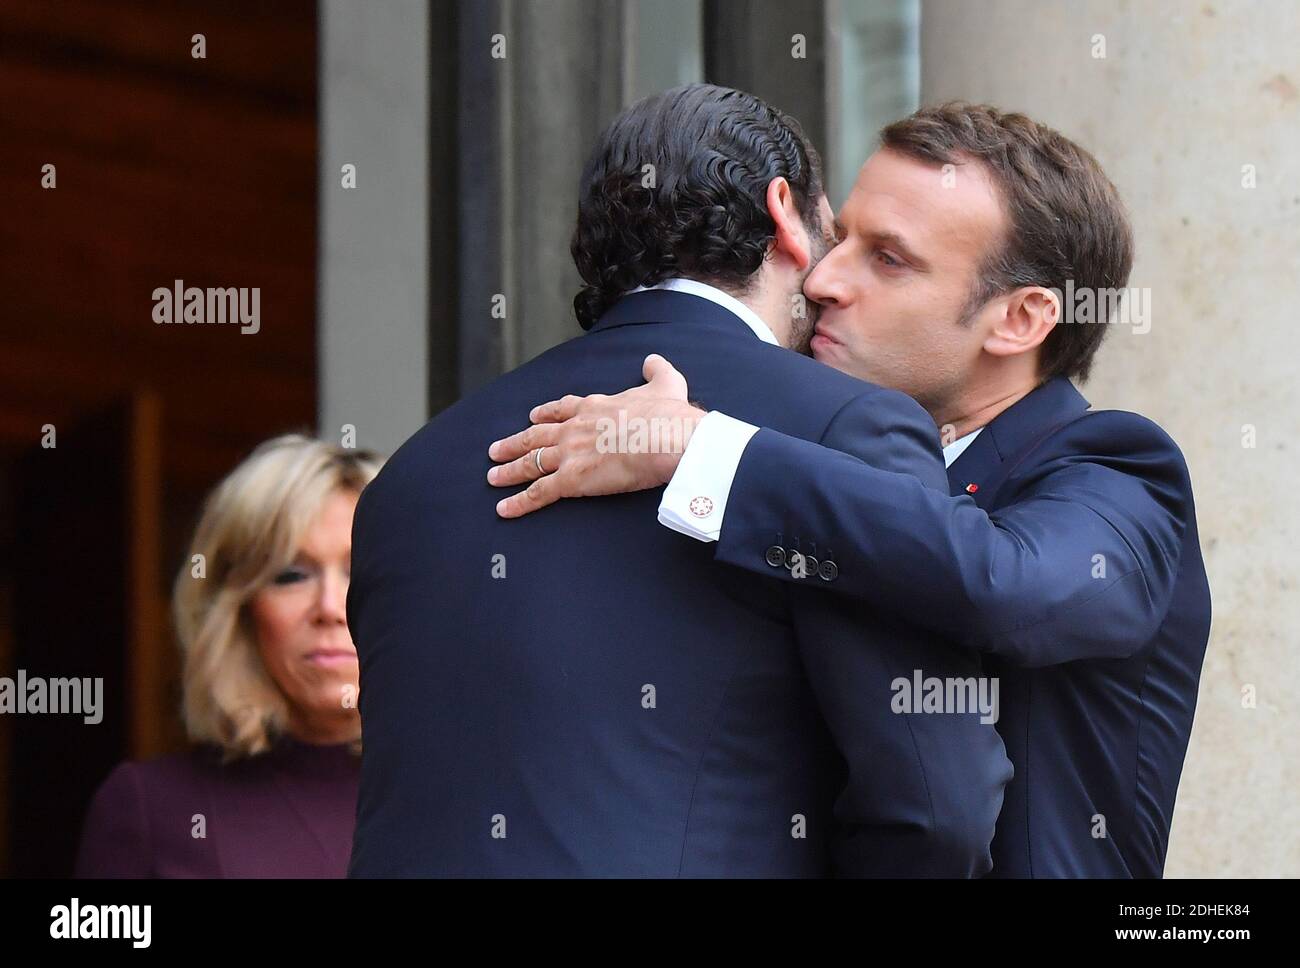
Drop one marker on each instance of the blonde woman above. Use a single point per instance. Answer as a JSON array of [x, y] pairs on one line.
[[270, 687]]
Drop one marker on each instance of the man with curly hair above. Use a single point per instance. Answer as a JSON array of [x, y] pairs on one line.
[[583, 693], [982, 258]]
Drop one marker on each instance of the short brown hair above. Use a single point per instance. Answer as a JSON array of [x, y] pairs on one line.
[[1067, 220]]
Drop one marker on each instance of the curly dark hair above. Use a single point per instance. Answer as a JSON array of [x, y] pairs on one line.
[[677, 186]]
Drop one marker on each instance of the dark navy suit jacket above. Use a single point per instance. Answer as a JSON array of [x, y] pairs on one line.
[[1068, 555], [583, 692]]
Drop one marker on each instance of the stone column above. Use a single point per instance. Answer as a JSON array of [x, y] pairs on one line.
[[372, 330], [1194, 111], [539, 80]]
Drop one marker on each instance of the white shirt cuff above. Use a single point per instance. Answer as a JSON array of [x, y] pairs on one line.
[[696, 497]]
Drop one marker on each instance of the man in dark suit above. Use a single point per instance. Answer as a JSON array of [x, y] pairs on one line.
[[583, 693], [1066, 551]]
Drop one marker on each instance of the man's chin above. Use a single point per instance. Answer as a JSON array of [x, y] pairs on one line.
[[800, 341]]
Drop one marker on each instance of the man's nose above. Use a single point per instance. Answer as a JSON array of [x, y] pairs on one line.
[[822, 286]]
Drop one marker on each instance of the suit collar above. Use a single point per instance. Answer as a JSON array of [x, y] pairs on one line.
[[1011, 433], [668, 306], [723, 299]]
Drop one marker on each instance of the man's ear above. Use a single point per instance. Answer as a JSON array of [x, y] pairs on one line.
[[1031, 313], [791, 234]]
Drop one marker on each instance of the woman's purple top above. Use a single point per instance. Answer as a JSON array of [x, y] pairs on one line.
[[286, 813]]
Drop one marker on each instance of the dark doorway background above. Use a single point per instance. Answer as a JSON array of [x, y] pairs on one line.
[[168, 167], [206, 170]]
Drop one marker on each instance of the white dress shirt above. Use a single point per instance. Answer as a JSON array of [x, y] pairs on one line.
[[709, 464], [958, 447], [726, 301]]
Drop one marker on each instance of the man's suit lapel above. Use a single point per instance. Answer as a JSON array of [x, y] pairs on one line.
[[973, 472], [980, 471]]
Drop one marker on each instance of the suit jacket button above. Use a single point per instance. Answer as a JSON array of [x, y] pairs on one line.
[[776, 556], [828, 571], [810, 566]]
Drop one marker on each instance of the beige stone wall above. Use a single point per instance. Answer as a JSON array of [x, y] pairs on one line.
[[1187, 94]]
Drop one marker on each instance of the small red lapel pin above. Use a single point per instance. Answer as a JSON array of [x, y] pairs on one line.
[[972, 488]]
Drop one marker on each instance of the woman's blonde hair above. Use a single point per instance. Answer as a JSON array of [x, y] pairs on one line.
[[251, 528]]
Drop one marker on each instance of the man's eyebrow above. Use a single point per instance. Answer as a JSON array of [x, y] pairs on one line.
[[896, 241]]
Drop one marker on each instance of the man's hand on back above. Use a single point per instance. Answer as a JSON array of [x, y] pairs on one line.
[[599, 444]]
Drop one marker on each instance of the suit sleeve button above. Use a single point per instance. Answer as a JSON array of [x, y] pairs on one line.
[[776, 556], [828, 571]]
